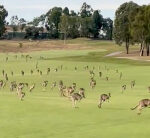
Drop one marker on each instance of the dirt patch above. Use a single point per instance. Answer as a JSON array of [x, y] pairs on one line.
[[113, 54], [133, 55], [29, 46]]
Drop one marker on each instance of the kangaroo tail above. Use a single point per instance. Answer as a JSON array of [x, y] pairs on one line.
[[134, 107]]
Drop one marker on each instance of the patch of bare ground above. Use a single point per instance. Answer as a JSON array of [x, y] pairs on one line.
[[29, 46], [133, 55]]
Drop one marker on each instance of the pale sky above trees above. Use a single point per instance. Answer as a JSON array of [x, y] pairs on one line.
[[29, 9]]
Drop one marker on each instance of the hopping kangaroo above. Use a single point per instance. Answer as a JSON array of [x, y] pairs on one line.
[[142, 104], [103, 98], [77, 97]]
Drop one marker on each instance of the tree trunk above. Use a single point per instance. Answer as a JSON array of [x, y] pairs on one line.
[[127, 46], [147, 49], [65, 37], [142, 49]]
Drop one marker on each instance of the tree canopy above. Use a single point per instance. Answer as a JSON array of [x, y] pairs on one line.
[[3, 15]]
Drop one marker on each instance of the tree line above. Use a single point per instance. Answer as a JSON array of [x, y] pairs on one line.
[[131, 25], [65, 23]]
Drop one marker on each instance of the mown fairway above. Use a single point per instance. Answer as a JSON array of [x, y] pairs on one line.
[[44, 114]]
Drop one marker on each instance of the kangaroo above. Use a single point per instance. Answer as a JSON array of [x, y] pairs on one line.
[[100, 74], [56, 70], [20, 86], [53, 85], [92, 74], [38, 70], [142, 104], [31, 87], [61, 67], [86, 67], [103, 98], [1, 83], [48, 71], [36, 66], [132, 84], [20, 94], [62, 90], [60, 85], [31, 71], [13, 85], [6, 77], [74, 86], [82, 92], [3, 72], [22, 73], [76, 97], [12, 73], [26, 84], [92, 83], [67, 91], [6, 59], [124, 87], [44, 84], [107, 78], [75, 68]]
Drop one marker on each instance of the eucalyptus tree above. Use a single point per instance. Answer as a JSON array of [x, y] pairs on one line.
[[68, 26], [122, 24], [22, 24], [85, 28], [86, 10], [66, 11], [97, 22], [140, 28], [14, 23], [53, 20], [107, 28], [64, 26], [73, 13], [3, 15]]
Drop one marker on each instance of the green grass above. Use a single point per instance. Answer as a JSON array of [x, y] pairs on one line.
[[44, 114]]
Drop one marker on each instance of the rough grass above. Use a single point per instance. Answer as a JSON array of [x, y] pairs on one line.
[[44, 114]]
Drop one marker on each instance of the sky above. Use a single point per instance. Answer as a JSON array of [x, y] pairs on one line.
[[29, 9]]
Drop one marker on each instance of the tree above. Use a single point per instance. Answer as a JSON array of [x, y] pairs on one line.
[[64, 26], [107, 28], [36, 21], [97, 23], [14, 23], [68, 26], [86, 10], [122, 24], [22, 24], [32, 32], [74, 24], [73, 13], [86, 27], [140, 28], [66, 11], [54, 19], [3, 15]]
